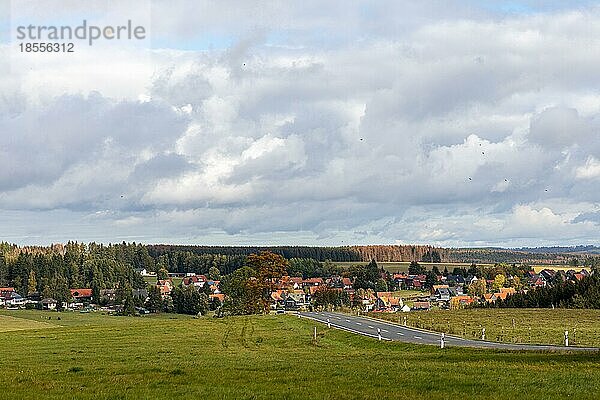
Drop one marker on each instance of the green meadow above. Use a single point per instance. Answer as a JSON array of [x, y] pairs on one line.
[[509, 325], [261, 357]]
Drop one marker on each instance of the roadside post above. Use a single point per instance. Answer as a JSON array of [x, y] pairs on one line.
[[566, 338], [315, 334], [378, 334], [328, 323], [482, 333], [405, 320], [442, 341]]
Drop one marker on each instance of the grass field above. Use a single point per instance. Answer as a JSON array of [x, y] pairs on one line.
[[264, 357], [10, 323], [151, 280], [541, 326]]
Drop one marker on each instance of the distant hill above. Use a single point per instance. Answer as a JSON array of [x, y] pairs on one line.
[[590, 249], [398, 253]]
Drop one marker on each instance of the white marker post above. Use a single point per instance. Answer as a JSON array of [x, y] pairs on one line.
[[566, 338], [315, 334], [378, 334], [405, 320], [442, 341], [328, 323], [482, 333]]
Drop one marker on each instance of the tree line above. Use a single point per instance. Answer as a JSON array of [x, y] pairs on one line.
[[581, 294]]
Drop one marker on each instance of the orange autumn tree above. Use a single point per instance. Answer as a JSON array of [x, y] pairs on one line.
[[270, 267]]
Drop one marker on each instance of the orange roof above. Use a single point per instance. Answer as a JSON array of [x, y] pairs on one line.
[[509, 290], [219, 296], [502, 295], [276, 296], [7, 289]]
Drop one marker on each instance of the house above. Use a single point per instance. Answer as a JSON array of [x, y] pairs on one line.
[[296, 300], [214, 286], [460, 301], [142, 271], [165, 287], [405, 308], [49, 304], [490, 297], [10, 297], [277, 300], [197, 281], [347, 283], [455, 280], [440, 293], [81, 295], [386, 301], [295, 282], [312, 282]]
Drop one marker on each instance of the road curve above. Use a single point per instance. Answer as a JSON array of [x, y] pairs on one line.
[[390, 331]]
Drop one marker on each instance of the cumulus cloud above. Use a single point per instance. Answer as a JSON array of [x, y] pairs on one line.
[[464, 126]]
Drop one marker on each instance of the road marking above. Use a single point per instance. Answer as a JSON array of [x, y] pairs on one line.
[[371, 327], [338, 317], [384, 330], [358, 323], [418, 337], [399, 333], [347, 320]]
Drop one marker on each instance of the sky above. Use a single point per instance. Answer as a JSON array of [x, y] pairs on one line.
[[452, 123]]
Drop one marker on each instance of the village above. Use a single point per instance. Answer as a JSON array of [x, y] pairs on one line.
[[406, 292]]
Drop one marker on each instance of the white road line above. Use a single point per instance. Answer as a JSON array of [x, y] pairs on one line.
[[384, 330], [418, 337], [338, 317], [358, 323], [371, 327], [399, 333], [347, 320]]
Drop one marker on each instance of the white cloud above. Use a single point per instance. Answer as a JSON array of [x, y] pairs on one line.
[[444, 127], [591, 169]]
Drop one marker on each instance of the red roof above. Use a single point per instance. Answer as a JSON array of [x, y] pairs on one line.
[[78, 293], [313, 280]]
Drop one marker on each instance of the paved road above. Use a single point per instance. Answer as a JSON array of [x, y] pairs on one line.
[[368, 327]]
